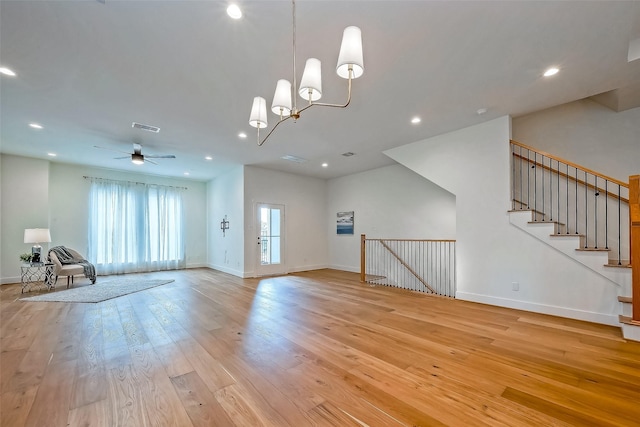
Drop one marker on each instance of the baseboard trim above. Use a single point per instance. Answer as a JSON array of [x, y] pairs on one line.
[[227, 270], [588, 316], [345, 268], [9, 280]]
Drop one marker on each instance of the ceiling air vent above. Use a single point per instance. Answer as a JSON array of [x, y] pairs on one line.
[[148, 128], [294, 159], [348, 154]]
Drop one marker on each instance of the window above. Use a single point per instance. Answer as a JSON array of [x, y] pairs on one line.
[[135, 227]]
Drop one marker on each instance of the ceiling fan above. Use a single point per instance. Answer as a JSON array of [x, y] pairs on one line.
[[137, 157]]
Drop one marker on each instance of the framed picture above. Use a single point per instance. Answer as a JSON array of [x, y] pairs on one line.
[[345, 223]]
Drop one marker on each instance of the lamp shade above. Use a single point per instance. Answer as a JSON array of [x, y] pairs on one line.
[[37, 235], [311, 83], [281, 104], [350, 53], [258, 117]]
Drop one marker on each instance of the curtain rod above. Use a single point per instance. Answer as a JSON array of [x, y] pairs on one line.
[[134, 182]]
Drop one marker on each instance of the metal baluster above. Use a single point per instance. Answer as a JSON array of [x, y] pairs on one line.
[[619, 226], [542, 173], [606, 214], [567, 199], [521, 179], [595, 214], [513, 178], [528, 176], [586, 211], [535, 186], [576, 200], [558, 192], [551, 189]]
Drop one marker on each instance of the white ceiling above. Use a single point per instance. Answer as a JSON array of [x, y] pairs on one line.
[[86, 70]]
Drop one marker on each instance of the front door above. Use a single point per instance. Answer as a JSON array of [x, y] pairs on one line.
[[270, 241]]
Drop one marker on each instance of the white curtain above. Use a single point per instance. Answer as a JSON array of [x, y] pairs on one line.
[[135, 227]]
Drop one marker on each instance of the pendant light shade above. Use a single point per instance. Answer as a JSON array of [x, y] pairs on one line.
[[311, 83], [285, 100], [281, 104], [350, 53], [258, 117]]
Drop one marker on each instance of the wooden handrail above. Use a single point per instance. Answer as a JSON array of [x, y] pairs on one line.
[[572, 178], [573, 165], [634, 219]]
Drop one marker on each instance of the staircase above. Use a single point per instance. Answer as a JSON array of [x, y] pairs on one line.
[[581, 214]]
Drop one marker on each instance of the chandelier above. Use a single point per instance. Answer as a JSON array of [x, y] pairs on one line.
[[350, 66]]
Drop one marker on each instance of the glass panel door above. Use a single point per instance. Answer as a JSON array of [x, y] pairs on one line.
[[270, 224]]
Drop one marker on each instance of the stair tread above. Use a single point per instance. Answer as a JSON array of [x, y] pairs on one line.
[[624, 299], [614, 264], [628, 320], [545, 222]]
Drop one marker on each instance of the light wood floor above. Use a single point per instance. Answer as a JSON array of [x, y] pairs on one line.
[[316, 348]]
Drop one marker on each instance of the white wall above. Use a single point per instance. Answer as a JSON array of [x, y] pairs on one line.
[[390, 202], [66, 195], [473, 164], [225, 196], [586, 133], [305, 201], [24, 195]]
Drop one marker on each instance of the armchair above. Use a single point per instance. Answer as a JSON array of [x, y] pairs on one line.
[[68, 262]]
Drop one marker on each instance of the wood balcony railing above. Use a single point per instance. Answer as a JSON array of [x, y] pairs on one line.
[[418, 265]]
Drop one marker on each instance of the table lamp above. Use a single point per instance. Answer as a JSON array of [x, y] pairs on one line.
[[37, 236]]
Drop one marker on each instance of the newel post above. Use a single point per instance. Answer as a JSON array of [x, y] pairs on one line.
[[363, 239], [634, 231]]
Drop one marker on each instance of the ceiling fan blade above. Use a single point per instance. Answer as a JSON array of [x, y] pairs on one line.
[[147, 160], [110, 149], [120, 158], [160, 156]]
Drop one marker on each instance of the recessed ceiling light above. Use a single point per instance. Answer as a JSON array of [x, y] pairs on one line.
[[7, 72], [416, 120], [481, 111], [52, 154], [325, 165], [208, 158], [348, 154], [35, 125], [234, 11], [186, 173], [242, 135], [551, 72]]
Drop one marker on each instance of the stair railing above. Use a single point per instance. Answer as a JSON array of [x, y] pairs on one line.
[[579, 200], [418, 265], [634, 219]]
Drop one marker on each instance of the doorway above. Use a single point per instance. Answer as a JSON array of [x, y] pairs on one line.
[[270, 226]]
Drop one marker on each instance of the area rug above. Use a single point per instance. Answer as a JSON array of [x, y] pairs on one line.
[[101, 291]]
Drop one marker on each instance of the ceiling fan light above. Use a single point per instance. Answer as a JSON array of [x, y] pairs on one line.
[[137, 159], [258, 117], [281, 104], [350, 54], [311, 83]]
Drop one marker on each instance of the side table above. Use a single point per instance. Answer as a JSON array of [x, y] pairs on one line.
[[37, 273]]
